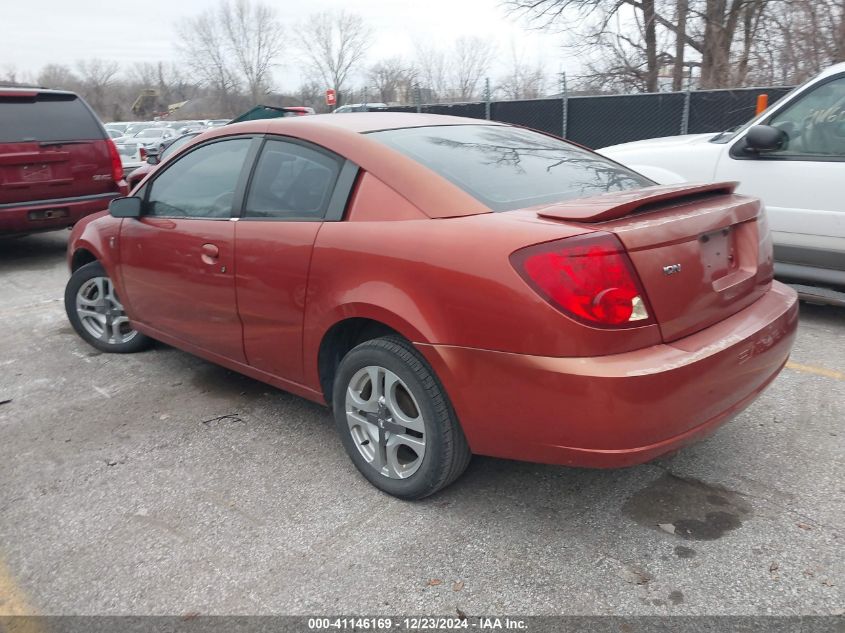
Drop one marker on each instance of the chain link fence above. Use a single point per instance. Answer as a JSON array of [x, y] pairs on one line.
[[599, 121]]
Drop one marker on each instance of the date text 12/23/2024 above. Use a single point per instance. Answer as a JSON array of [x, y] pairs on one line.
[[417, 623]]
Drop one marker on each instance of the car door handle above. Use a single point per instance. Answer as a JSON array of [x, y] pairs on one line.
[[210, 253]]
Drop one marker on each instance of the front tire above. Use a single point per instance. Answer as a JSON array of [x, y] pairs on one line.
[[395, 420], [95, 312]]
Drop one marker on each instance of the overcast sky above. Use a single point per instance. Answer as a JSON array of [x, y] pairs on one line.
[[37, 32]]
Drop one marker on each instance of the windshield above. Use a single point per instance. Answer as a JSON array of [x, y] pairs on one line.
[[509, 168], [152, 133], [732, 133]]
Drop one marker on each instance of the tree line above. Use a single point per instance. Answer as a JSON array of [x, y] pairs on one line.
[[631, 45], [229, 55]]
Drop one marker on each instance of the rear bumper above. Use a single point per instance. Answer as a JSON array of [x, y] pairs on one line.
[[622, 409], [15, 218]]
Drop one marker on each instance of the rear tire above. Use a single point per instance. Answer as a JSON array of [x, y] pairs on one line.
[[95, 312], [395, 420]]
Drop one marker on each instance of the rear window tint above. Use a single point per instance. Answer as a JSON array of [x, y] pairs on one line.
[[509, 168], [46, 117]]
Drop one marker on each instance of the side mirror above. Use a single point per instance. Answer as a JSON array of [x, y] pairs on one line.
[[153, 155], [765, 138], [125, 207]]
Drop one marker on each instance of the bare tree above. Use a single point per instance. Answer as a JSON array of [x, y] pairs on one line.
[[839, 30], [523, 80], [58, 76], [681, 8], [254, 38], [145, 74], [203, 46], [455, 74], [166, 79], [9, 74], [650, 37], [472, 57], [96, 77], [793, 41], [311, 93], [334, 43], [434, 70], [391, 79], [709, 27]]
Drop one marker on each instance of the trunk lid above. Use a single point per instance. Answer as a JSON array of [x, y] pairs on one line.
[[702, 252], [51, 147]]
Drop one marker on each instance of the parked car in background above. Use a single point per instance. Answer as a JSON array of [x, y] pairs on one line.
[[272, 112], [300, 110], [133, 154], [793, 157], [118, 127], [359, 107], [154, 159], [133, 128], [57, 164], [155, 137], [448, 286], [113, 133], [191, 126]]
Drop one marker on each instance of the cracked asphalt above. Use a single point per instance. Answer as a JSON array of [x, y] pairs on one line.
[[158, 483]]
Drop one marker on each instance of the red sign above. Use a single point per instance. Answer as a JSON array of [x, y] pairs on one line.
[[331, 97]]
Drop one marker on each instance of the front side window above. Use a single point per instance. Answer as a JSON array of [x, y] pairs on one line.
[[509, 168], [815, 123], [176, 144], [200, 184], [291, 182]]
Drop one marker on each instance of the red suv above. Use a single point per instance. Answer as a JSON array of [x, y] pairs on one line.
[[57, 163]]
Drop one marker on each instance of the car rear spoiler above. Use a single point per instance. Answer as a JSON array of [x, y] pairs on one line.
[[612, 206]]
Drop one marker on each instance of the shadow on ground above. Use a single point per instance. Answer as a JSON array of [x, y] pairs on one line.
[[40, 251]]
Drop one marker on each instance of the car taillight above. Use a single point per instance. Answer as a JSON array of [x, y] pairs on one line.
[[142, 152], [116, 163], [588, 277]]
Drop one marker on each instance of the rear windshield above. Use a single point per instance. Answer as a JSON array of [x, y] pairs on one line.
[[46, 117], [509, 168]]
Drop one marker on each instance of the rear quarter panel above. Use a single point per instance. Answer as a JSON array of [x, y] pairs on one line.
[[448, 282]]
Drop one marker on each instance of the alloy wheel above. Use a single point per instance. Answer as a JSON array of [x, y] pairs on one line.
[[101, 313], [385, 422]]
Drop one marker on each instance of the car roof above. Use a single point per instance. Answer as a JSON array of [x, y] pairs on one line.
[[346, 136], [364, 122], [23, 91], [836, 68]]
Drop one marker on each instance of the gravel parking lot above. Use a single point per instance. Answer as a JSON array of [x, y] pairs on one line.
[[161, 484]]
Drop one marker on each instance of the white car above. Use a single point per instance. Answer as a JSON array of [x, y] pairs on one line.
[[155, 137], [792, 156], [132, 152], [359, 107]]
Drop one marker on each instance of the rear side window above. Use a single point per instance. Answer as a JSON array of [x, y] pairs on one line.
[[509, 168], [46, 118], [291, 182]]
